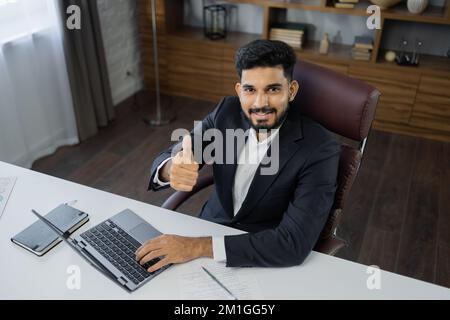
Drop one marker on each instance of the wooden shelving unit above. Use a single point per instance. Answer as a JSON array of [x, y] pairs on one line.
[[432, 14], [195, 66], [196, 33]]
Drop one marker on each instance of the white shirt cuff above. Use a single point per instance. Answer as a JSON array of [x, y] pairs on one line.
[[219, 253], [156, 178]]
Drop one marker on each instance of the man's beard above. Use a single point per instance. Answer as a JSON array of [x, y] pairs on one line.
[[279, 120]]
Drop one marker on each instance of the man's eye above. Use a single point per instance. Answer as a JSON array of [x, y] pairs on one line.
[[248, 90], [274, 89]]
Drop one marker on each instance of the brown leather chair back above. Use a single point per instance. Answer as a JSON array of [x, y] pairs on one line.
[[345, 106]]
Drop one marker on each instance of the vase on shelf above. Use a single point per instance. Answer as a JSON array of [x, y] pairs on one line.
[[324, 44], [416, 6]]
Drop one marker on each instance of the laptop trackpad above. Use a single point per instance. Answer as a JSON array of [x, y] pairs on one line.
[[143, 232]]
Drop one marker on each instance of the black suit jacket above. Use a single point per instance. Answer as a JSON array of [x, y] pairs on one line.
[[284, 213]]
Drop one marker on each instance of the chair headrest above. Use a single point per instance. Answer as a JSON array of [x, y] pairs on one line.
[[341, 104]]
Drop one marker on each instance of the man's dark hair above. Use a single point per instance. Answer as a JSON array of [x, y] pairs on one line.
[[266, 53]]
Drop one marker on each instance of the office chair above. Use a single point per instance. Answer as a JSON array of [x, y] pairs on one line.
[[341, 104]]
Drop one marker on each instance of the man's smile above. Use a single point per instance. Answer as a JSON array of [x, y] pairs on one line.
[[262, 114]]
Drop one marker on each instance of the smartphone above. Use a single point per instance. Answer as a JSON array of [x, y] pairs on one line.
[[38, 238]]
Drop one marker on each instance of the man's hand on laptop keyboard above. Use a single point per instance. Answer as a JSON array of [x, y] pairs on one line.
[[173, 249]]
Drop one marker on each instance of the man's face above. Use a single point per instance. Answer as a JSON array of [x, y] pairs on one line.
[[264, 93]]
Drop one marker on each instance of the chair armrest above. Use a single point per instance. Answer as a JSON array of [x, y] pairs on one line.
[[328, 242], [330, 245], [179, 197]]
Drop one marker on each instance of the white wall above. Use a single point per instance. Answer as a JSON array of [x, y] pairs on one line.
[[119, 23]]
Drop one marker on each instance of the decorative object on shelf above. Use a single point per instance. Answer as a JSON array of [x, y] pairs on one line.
[[403, 57], [345, 4], [409, 58], [416, 6], [415, 54], [390, 56], [214, 21], [294, 34], [362, 48], [384, 4], [324, 44]]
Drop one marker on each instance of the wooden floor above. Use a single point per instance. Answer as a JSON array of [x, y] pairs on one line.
[[397, 217]]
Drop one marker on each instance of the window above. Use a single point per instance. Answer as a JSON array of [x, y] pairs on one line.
[[22, 17]]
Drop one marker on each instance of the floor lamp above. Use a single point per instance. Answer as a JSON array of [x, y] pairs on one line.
[[159, 121]]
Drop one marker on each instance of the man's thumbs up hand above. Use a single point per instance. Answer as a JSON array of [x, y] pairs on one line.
[[184, 170], [186, 153]]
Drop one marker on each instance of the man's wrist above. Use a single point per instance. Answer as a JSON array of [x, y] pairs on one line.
[[203, 247], [164, 174]]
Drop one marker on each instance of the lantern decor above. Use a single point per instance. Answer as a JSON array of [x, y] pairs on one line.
[[409, 59], [215, 21]]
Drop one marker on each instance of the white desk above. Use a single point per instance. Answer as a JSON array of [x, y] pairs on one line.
[[24, 275]]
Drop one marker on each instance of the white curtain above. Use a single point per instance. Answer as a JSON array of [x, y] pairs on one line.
[[36, 111]]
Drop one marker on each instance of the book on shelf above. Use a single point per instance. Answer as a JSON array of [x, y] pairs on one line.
[[349, 1], [361, 55], [274, 36], [276, 31], [290, 26], [362, 46], [287, 40], [299, 41], [363, 42], [290, 32], [342, 5], [361, 50], [293, 43]]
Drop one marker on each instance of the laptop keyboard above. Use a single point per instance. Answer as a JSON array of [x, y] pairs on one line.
[[119, 248]]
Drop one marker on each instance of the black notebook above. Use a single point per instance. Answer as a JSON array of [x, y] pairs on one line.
[[39, 238]]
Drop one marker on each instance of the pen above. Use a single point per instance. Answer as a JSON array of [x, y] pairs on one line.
[[219, 283]]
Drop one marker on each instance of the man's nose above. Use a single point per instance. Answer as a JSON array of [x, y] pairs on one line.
[[262, 100]]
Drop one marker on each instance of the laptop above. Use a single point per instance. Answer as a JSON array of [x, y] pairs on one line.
[[111, 245]]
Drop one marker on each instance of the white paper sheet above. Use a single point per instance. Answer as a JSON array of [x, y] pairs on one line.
[[6, 186], [196, 284]]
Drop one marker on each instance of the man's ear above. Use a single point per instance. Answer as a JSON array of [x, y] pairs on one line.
[[293, 90], [237, 88]]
